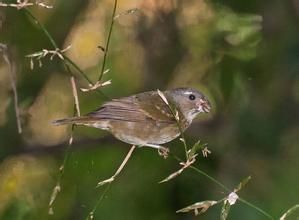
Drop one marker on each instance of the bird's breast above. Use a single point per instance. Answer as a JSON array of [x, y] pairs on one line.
[[141, 133]]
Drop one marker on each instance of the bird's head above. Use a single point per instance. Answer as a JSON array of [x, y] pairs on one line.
[[190, 102]]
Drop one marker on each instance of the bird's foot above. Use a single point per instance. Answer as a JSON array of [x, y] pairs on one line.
[[163, 151]]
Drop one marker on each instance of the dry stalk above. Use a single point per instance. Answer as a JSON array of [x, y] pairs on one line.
[[185, 165], [57, 188], [44, 52], [97, 85], [12, 76], [75, 94], [120, 168], [25, 4]]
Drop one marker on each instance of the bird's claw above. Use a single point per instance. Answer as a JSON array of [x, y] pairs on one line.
[[163, 151]]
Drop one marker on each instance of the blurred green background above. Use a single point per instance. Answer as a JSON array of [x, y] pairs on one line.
[[243, 55]]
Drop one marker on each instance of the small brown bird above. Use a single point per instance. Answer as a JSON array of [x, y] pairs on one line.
[[145, 119]]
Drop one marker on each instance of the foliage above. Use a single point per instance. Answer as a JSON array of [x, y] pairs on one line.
[[243, 57]]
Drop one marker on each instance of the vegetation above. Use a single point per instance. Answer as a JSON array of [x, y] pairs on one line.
[[66, 58]]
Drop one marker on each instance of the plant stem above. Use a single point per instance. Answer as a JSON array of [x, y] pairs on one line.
[[226, 189], [90, 216], [108, 41], [42, 27], [99, 200], [54, 44], [256, 208]]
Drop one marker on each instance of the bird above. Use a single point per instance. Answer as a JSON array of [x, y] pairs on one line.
[[148, 119]]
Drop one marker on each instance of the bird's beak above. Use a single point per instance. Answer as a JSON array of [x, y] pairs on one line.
[[204, 106]]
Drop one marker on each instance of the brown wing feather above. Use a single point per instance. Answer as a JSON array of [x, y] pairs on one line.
[[155, 107], [135, 109], [124, 109]]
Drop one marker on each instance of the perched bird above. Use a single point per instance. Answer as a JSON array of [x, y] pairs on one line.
[[146, 119]]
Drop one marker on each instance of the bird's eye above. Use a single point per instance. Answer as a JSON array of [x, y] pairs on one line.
[[192, 97]]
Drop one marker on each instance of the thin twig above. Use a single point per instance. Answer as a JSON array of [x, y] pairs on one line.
[[266, 214], [77, 68], [175, 114], [120, 168], [108, 41], [27, 12], [54, 44], [12, 76], [228, 201], [109, 182], [24, 4], [97, 85], [289, 212], [75, 94], [98, 202], [127, 12], [44, 52], [91, 214], [57, 187], [190, 159], [100, 77], [199, 207], [185, 165], [54, 194]]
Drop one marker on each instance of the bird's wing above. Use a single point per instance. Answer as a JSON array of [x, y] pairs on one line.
[[138, 108], [123, 109], [155, 107]]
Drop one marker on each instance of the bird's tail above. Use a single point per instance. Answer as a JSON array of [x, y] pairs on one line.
[[74, 120]]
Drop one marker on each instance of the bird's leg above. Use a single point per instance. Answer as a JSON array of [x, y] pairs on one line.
[[163, 151]]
